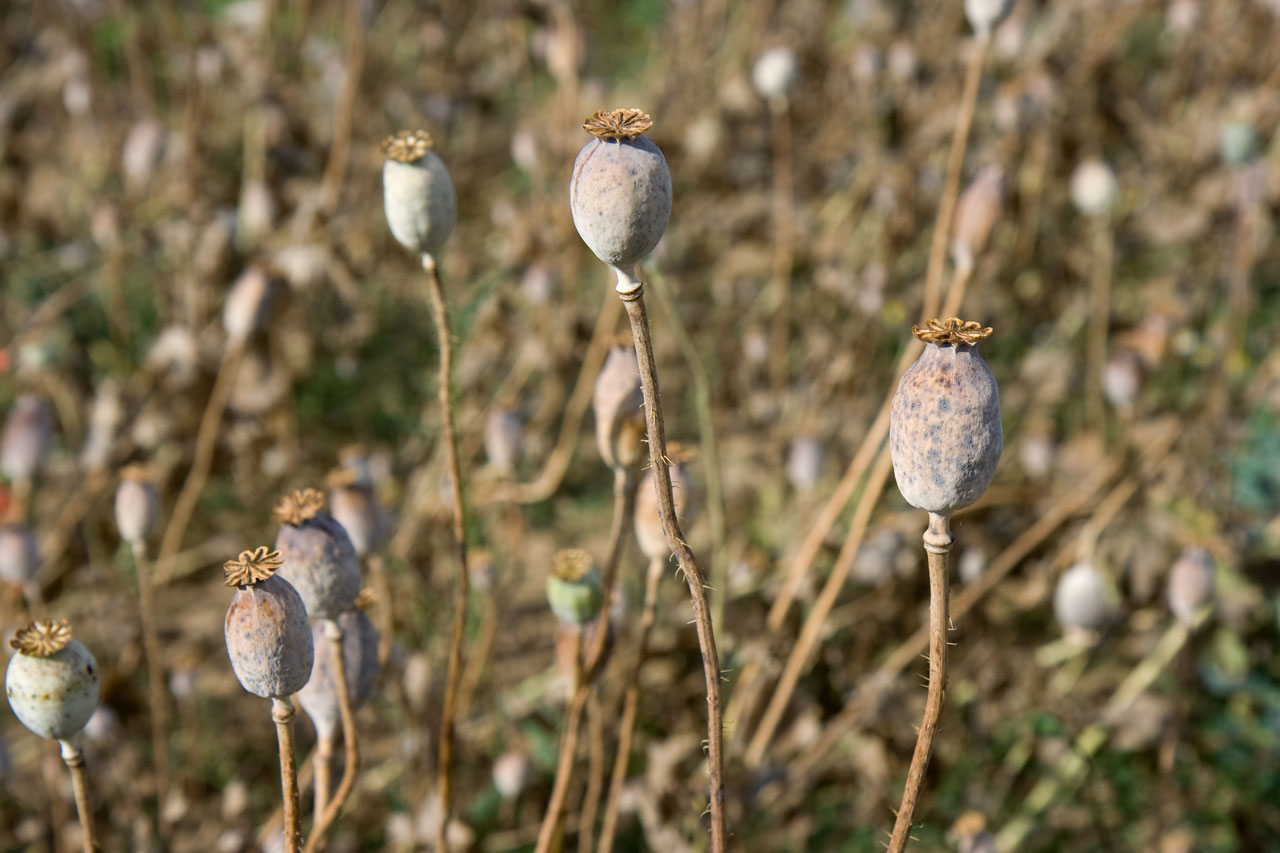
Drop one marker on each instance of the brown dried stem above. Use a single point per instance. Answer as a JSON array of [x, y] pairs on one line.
[[595, 773], [322, 761], [447, 718], [155, 667], [336, 167], [937, 544], [351, 747], [74, 760], [282, 712], [549, 832]]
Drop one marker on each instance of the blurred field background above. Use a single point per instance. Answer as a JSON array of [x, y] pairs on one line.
[[150, 155]]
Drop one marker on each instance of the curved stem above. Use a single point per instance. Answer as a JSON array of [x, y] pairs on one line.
[[447, 718], [282, 713], [155, 669], [937, 543], [630, 706], [351, 748], [74, 760], [631, 291]]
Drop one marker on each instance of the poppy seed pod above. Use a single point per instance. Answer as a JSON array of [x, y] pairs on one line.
[[648, 523], [1080, 601], [319, 559], [512, 773], [417, 194], [985, 15], [266, 629], [620, 192], [1191, 583], [52, 682], [352, 504], [136, 505], [1093, 188], [977, 213], [248, 304], [774, 73], [504, 440], [19, 556], [945, 435], [27, 432], [319, 697], [573, 587], [617, 404]]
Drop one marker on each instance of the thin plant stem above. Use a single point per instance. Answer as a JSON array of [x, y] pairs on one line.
[[322, 760], [74, 760], [383, 611], [783, 242], [937, 544], [631, 291], [630, 706], [447, 718], [1099, 316], [155, 667], [595, 772], [350, 746], [549, 832], [282, 712], [336, 167], [201, 462]]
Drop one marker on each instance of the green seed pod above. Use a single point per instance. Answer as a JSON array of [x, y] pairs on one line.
[[319, 559], [573, 587], [620, 192], [945, 436], [52, 682], [417, 195], [266, 629], [319, 698]]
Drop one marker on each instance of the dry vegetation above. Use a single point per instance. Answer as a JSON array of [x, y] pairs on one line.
[[151, 155]]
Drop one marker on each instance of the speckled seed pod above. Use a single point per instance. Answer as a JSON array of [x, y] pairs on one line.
[[136, 505], [1080, 601], [266, 629], [945, 436], [1191, 582], [319, 559], [648, 524], [620, 192], [573, 587], [417, 194], [19, 556], [319, 697], [617, 404], [52, 682], [27, 432]]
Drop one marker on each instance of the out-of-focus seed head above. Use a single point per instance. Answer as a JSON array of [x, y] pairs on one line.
[[137, 505], [27, 433], [945, 435], [648, 524], [266, 629], [512, 773], [573, 587], [1122, 378], [1191, 583], [105, 419], [319, 558], [969, 834], [1081, 602], [19, 556], [1237, 142], [620, 192], [804, 463], [985, 15], [504, 440], [319, 698], [617, 405], [417, 194], [774, 73], [52, 682], [248, 304], [143, 147], [175, 355], [1093, 188], [977, 213], [352, 504]]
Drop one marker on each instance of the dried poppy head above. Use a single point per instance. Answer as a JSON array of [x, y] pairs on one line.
[[417, 194], [320, 559], [52, 682], [266, 629]]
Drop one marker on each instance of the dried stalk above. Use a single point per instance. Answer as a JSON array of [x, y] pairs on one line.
[[155, 669], [282, 712], [351, 748], [74, 760], [331, 184]]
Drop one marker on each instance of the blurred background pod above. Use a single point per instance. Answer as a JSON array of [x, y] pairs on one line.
[[648, 523], [618, 406]]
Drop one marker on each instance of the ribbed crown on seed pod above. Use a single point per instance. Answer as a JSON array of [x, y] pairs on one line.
[[136, 505], [417, 194], [266, 629], [617, 403], [319, 698], [648, 523], [573, 587], [620, 192], [319, 558], [52, 681], [945, 435]]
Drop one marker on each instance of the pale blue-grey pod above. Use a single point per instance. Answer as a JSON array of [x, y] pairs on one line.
[[945, 436], [620, 191], [52, 681], [266, 629], [319, 558], [1080, 600], [136, 506], [27, 434], [319, 697], [417, 194]]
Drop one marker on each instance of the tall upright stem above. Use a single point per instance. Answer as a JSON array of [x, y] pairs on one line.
[[447, 721], [282, 712], [351, 749], [631, 291], [937, 544], [74, 759], [155, 669]]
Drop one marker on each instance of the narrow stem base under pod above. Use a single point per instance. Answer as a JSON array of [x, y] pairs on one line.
[[282, 713], [74, 760]]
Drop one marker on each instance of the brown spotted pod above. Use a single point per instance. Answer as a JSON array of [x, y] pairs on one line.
[[319, 698], [267, 633], [945, 436], [319, 558], [417, 194], [617, 403], [620, 191], [52, 681]]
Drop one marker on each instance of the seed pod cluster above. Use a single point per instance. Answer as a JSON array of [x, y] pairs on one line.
[[266, 629], [319, 559], [945, 436], [417, 194], [52, 681]]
